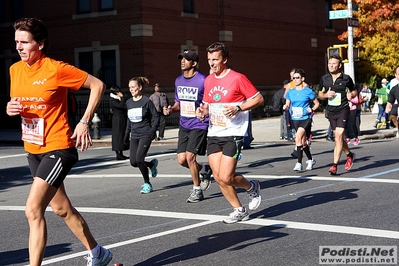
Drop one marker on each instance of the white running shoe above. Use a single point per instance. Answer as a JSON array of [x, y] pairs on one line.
[[205, 177], [237, 216], [254, 196], [298, 167], [310, 163]]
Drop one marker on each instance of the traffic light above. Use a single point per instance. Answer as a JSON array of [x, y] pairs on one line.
[[334, 51], [338, 49]]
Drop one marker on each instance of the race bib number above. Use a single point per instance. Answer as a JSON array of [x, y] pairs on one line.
[[187, 109], [135, 114], [335, 101], [297, 111], [216, 116], [33, 130]]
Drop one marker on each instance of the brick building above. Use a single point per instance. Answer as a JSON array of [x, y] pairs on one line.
[[116, 40]]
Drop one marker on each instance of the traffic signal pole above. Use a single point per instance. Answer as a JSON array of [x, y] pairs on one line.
[[351, 68]]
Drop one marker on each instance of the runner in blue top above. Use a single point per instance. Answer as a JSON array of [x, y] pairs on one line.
[[299, 105], [189, 91]]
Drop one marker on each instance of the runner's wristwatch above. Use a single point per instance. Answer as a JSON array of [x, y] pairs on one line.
[[238, 109]]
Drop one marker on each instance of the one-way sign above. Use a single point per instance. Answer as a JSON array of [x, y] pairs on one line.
[[353, 22]]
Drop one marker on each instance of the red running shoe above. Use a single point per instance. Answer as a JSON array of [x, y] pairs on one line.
[[333, 170], [349, 161]]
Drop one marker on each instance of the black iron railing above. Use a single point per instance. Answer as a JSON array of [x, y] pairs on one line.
[[104, 113]]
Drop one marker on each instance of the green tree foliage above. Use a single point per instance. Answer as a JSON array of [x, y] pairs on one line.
[[377, 37]]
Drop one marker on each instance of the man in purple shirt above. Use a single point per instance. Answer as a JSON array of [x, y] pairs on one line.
[[189, 90]]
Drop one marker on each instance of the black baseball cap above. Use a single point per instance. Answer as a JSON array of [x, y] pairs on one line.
[[190, 55]]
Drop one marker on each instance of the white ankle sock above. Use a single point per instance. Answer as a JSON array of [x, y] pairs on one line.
[[240, 209]]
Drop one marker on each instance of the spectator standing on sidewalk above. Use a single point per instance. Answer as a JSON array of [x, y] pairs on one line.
[[160, 100], [382, 98], [142, 125], [393, 98], [189, 91], [51, 148], [366, 92], [119, 118], [337, 88], [278, 103], [228, 97], [355, 106], [298, 104]]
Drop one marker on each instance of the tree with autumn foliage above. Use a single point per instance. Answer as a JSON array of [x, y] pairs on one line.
[[377, 37]]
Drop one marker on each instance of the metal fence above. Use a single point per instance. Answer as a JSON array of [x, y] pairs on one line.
[[104, 113]]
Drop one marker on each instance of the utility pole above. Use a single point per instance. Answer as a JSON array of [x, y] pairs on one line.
[[351, 67]]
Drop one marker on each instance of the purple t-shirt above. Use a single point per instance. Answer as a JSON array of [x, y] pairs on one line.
[[189, 93]]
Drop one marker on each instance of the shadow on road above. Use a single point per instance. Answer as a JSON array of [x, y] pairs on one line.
[[206, 245]]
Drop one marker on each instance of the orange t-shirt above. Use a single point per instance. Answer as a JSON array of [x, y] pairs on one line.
[[42, 90]]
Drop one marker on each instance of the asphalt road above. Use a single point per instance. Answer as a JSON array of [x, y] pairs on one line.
[[299, 212]]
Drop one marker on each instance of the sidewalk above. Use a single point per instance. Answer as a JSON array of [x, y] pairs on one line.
[[266, 130]]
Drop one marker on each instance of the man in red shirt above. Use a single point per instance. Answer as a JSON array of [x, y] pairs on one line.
[[228, 97]]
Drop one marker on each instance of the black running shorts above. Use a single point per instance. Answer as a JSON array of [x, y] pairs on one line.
[[338, 120], [53, 166], [193, 141], [229, 146]]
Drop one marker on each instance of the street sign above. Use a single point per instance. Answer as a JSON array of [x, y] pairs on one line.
[[355, 7], [337, 14], [353, 22]]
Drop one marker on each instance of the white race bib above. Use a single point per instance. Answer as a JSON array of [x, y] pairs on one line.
[[297, 112], [216, 116], [135, 114], [335, 101], [187, 109], [33, 130]]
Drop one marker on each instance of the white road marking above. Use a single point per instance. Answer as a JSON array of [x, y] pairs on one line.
[[13, 156], [208, 219], [318, 178], [120, 162], [24, 154], [217, 218], [127, 242]]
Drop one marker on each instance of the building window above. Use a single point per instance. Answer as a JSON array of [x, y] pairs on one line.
[[106, 72], [106, 5], [86, 62], [11, 10], [84, 6], [3, 17], [188, 6], [17, 9]]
